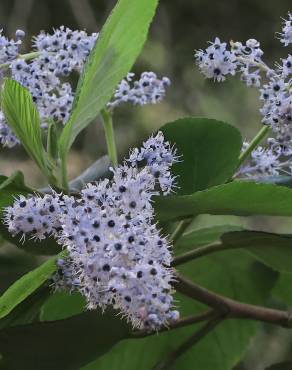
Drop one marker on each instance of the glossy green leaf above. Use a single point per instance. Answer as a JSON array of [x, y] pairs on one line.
[[283, 289], [28, 310], [272, 249], [62, 305], [231, 273], [22, 116], [281, 366], [200, 237], [46, 247], [119, 44], [13, 265], [209, 151], [61, 345], [11, 186], [241, 198], [26, 285]]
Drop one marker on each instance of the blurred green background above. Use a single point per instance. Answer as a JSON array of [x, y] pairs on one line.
[[180, 27]]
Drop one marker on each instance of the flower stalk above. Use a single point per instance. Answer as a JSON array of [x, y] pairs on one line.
[[110, 136]]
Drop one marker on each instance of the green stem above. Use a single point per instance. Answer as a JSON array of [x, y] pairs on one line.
[[28, 56], [200, 252], [180, 229], [64, 175], [253, 144], [109, 135]]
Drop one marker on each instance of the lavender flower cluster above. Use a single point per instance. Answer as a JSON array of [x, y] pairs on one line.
[[147, 90], [46, 76], [274, 85], [116, 254]]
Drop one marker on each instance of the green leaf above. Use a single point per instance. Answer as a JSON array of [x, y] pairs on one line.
[[28, 310], [272, 249], [62, 305], [241, 198], [52, 142], [22, 116], [233, 274], [46, 247], [13, 265], [281, 366], [200, 237], [209, 150], [61, 345], [12, 186], [26, 285], [119, 44], [283, 289]]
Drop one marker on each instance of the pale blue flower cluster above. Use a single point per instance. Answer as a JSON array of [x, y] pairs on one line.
[[46, 76], [116, 254], [275, 88], [149, 89]]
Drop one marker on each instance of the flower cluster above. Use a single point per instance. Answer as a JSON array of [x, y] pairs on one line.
[[286, 35], [147, 90], [37, 216], [46, 76], [7, 137], [58, 55], [275, 89], [216, 61], [116, 254], [9, 49]]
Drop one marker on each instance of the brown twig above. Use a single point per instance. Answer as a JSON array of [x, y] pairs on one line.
[[194, 319], [231, 308]]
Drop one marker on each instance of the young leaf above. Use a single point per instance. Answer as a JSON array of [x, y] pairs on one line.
[[22, 116], [116, 50], [26, 285], [209, 152], [52, 142], [241, 198]]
